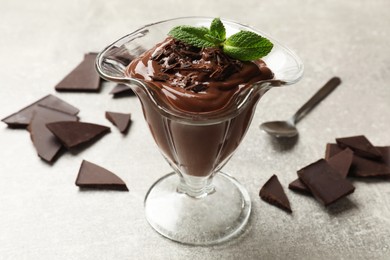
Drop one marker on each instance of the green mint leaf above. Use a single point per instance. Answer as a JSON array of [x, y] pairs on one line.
[[217, 29], [214, 39], [246, 46], [195, 36]]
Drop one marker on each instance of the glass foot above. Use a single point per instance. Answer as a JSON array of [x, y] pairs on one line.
[[208, 220]]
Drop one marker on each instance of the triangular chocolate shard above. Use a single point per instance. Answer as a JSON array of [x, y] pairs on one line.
[[96, 177], [120, 120], [22, 118], [342, 161], [273, 193], [324, 182], [122, 89], [83, 78], [72, 134], [46, 144], [331, 150], [360, 145]]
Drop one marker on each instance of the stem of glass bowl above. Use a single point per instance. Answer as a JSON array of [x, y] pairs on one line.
[[196, 187]]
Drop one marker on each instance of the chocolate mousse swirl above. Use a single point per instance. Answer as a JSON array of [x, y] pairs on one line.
[[196, 79]]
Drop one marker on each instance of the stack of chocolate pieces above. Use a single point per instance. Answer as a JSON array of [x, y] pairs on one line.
[[326, 179], [53, 124]]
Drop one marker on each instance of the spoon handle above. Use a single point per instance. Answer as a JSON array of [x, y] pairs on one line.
[[316, 99]]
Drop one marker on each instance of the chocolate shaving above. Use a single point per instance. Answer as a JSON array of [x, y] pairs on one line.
[[193, 64]]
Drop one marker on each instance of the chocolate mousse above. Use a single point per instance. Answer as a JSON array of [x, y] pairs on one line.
[[183, 87], [196, 79]]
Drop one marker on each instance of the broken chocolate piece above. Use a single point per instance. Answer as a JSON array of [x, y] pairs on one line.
[[122, 89], [331, 150], [22, 118], [120, 120], [385, 151], [363, 167], [46, 144], [324, 182], [72, 134], [342, 162], [83, 78], [96, 177], [273, 193], [297, 185], [360, 145]]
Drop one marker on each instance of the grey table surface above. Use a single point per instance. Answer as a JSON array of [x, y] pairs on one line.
[[43, 215]]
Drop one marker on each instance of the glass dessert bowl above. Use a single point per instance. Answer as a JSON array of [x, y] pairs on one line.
[[197, 204]]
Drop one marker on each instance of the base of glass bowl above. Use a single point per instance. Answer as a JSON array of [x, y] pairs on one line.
[[211, 219]]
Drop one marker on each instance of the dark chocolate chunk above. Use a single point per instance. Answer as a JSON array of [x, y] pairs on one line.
[[273, 193], [83, 78], [342, 162], [331, 149], [360, 145], [120, 120], [324, 182], [72, 134], [22, 118], [46, 144], [122, 89], [385, 151], [297, 185], [363, 167], [96, 177]]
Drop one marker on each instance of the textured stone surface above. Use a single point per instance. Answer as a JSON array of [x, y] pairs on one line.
[[43, 215]]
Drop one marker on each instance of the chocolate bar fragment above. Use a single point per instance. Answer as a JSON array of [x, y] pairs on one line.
[[360, 145], [120, 120], [46, 144], [324, 182], [273, 193], [364, 167], [83, 78], [22, 118], [122, 90], [385, 151], [72, 134], [341, 162], [297, 185], [96, 177]]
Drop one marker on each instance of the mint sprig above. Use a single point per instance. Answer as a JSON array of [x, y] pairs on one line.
[[244, 45]]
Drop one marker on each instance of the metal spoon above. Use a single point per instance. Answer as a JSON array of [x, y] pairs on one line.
[[287, 128]]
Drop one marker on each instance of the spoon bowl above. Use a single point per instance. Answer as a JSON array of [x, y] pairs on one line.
[[287, 128], [280, 128]]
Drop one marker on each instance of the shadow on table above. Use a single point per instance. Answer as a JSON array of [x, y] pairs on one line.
[[284, 143], [341, 207]]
